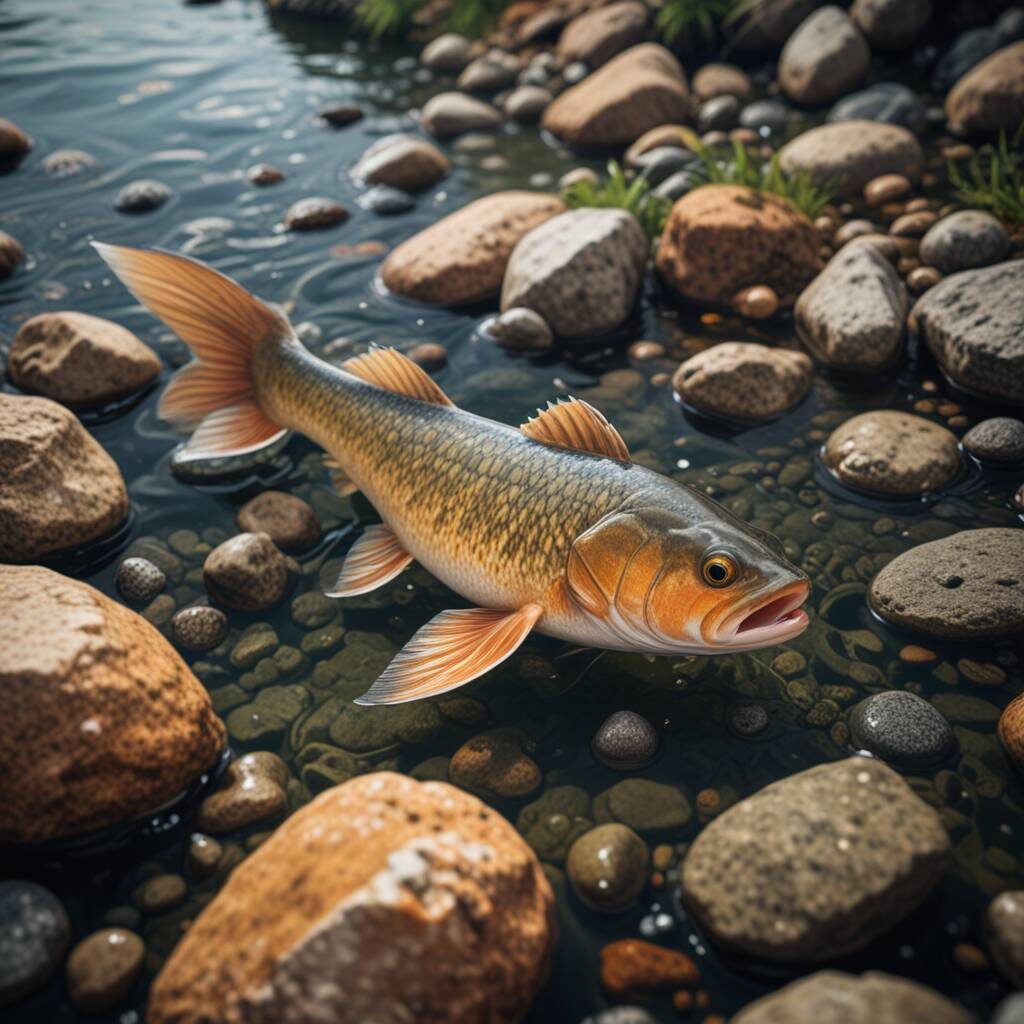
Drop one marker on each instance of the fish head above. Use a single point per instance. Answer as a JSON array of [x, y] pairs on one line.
[[662, 583]]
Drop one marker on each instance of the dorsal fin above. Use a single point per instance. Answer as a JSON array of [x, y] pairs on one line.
[[570, 423], [389, 369]]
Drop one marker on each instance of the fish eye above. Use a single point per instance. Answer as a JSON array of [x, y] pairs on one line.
[[718, 570]]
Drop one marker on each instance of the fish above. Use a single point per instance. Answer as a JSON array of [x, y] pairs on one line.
[[549, 527]]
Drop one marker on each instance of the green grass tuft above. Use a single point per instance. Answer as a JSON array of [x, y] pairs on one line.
[[634, 196], [993, 179], [691, 23], [380, 18]]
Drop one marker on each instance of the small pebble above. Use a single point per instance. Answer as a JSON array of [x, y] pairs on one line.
[[66, 163], [759, 302], [626, 742], [314, 214], [969, 958], [161, 893], [199, 628], [139, 580], [607, 867], [340, 115], [748, 719], [1000, 439], [520, 330], [103, 968], [11, 254], [645, 351], [264, 174], [203, 855], [636, 967], [494, 763], [252, 790], [386, 201], [920, 279], [34, 933], [914, 655], [886, 188], [903, 729], [142, 196], [430, 355], [981, 673], [286, 519]]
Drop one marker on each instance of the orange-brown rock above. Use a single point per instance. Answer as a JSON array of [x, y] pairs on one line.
[[720, 239], [1011, 729], [595, 36], [641, 88], [634, 967], [384, 899], [79, 360], [495, 764], [990, 97], [462, 258], [103, 721], [59, 487]]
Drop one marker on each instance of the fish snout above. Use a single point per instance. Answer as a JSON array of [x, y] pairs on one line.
[[768, 618]]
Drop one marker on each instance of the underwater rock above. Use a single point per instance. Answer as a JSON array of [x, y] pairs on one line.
[[403, 162], [967, 586], [871, 998], [264, 174], [639, 89], [267, 718], [200, 628], [520, 330], [379, 871], [139, 580], [625, 741], [79, 360], [1011, 730], [489, 72], [895, 453], [14, 145], [817, 864], [341, 115], [61, 489], [607, 867], [103, 968], [495, 764], [251, 791], [11, 254], [454, 113], [246, 572], [66, 163], [1004, 934], [103, 720], [580, 271], [964, 240], [902, 729], [1000, 439], [289, 521], [314, 214], [554, 821], [386, 201], [34, 933], [597, 35], [891, 24], [720, 239], [462, 257], [990, 97], [825, 58], [142, 196], [645, 806], [160, 893], [886, 102], [973, 323], [717, 79], [635, 967], [448, 54], [527, 103], [203, 856]]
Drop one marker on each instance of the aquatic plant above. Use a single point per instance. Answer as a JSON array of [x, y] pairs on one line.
[[993, 179], [393, 17], [635, 196], [692, 22]]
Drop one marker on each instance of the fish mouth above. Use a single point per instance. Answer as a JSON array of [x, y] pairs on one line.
[[767, 619]]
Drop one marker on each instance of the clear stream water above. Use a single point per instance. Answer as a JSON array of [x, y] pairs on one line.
[[193, 97]]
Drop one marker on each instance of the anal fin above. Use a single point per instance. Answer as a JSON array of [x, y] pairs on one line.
[[453, 648], [376, 558]]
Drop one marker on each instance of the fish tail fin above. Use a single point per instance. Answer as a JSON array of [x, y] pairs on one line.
[[214, 397]]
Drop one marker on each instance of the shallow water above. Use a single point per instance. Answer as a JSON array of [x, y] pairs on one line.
[[194, 96]]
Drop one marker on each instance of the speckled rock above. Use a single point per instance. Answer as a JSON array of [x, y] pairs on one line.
[[11, 255], [200, 628], [520, 330], [314, 214], [990, 97], [103, 720], [625, 741], [495, 764], [871, 998], [454, 113], [633, 967], [639, 89], [964, 240], [139, 580], [964, 587], [142, 196], [1004, 932], [743, 380], [448, 54], [14, 145], [402, 161], [607, 867], [462, 258], [102, 969], [817, 864], [286, 519], [825, 58], [645, 806], [852, 316], [66, 163], [901, 729], [377, 871], [973, 323], [848, 154], [888, 452], [597, 35], [1000, 439], [580, 271], [1011, 730], [252, 790], [246, 572], [79, 360], [720, 239], [891, 24], [34, 933], [61, 489]]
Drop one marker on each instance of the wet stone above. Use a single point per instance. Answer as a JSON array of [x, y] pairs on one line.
[[202, 855], [748, 719], [494, 763], [200, 628], [626, 742], [1004, 930], [1000, 439], [644, 806], [520, 330], [66, 163], [34, 933], [139, 580], [103, 968], [314, 214], [142, 196], [607, 867], [269, 715], [264, 174], [11, 254], [386, 201], [312, 610], [258, 642], [289, 521], [902, 729], [964, 240], [246, 572], [252, 791], [340, 115], [161, 893], [634, 967]]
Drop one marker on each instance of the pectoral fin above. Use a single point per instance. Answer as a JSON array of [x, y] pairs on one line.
[[375, 559], [453, 648]]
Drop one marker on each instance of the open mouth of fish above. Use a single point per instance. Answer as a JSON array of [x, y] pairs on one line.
[[768, 618]]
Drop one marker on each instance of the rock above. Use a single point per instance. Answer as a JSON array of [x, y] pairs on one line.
[[758, 302], [61, 489], [462, 258], [494, 763], [203, 856], [386, 201], [664, 136], [885, 102], [1000, 439], [887, 188], [66, 163], [621, 1015], [403, 162], [528, 102], [580, 271], [520, 330], [964, 240], [265, 720], [816, 865], [963, 587], [430, 355], [11, 255], [720, 239], [200, 628], [721, 80], [658, 164], [872, 998], [142, 196], [103, 720], [767, 117], [14, 145], [597, 35], [79, 360], [378, 871], [341, 115], [289, 522], [767, 24], [639, 89], [990, 97], [720, 113], [34, 933], [896, 453], [852, 316], [891, 24], [1010, 1010], [625, 741], [632, 967], [495, 70], [160, 893], [246, 572], [607, 868], [251, 791], [454, 113], [1011, 730], [139, 580], [1004, 932], [973, 323], [748, 719], [314, 214], [448, 54], [825, 58], [848, 154], [264, 174], [646, 807], [901, 729], [103, 968]]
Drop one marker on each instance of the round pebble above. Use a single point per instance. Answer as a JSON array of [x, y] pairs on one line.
[[142, 196], [139, 580], [11, 254], [246, 572], [430, 355], [386, 201], [314, 214], [607, 867], [340, 115], [160, 893], [252, 790], [66, 163], [626, 742], [287, 520], [200, 628], [102, 969], [495, 764], [886, 188], [901, 728], [34, 933], [1000, 439], [748, 719], [520, 330], [203, 855], [759, 302], [264, 174], [920, 279]]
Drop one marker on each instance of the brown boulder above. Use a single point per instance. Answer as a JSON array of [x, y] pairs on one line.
[[596, 36], [462, 258], [79, 360], [641, 88], [720, 239], [384, 899], [60, 488], [103, 721], [825, 58], [990, 97]]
